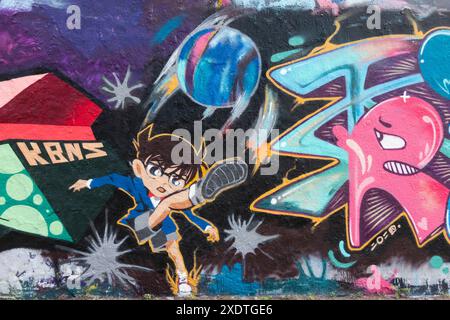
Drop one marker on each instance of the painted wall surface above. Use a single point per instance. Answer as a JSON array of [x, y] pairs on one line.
[[339, 108]]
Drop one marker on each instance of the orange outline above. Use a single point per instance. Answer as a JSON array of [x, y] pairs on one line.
[[180, 237], [204, 169], [328, 47]]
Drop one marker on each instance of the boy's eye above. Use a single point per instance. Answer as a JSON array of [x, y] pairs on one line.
[[175, 181], [154, 170]]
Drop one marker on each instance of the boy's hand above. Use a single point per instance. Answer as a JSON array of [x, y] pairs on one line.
[[213, 234], [80, 184]]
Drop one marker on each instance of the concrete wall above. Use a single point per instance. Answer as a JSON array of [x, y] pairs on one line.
[[339, 108]]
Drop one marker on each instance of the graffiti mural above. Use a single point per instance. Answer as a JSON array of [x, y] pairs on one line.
[[371, 158], [222, 148]]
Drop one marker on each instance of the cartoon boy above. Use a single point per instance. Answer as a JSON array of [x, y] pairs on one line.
[[184, 185]]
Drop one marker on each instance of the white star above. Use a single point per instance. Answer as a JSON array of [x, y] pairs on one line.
[[405, 96], [121, 90]]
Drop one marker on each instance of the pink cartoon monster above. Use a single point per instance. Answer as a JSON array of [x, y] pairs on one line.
[[388, 149]]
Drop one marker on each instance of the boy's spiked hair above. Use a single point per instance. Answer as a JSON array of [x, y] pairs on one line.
[[159, 148]]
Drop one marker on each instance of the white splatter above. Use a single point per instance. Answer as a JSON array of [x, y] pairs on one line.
[[121, 91], [244, 236], [27, 5], [422, 8], [263, 4], [413, 275], [25, 266], [101, 260]]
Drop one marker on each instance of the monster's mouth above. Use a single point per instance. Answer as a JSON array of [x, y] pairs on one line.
[[161, 189], [400, 168], [389, 141]]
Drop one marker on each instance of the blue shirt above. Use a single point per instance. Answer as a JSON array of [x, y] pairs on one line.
[[135, 188]]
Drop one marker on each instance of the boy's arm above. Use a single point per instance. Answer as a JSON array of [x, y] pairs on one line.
[[204, 225], [114, 179]]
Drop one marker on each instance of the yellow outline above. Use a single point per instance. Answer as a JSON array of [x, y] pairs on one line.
[[403, 214], [193, 277], [331, 47], [170, 215], [203, 169], [327, 47], [133, 231]]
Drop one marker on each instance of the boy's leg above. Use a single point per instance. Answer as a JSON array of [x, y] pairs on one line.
[[223, 176], [173, 249]]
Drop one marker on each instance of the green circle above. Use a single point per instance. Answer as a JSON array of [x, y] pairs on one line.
[[296, 41], [9, 163], [19, 187], [436, 262], [37, 200], [445, 270], [25, 218], [56, 228], [2, 201]]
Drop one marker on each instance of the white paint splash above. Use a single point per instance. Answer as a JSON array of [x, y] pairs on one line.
[[27, 5], [101, 260], [280, 4], [25, 267], [121, 91], [245, 237], [414, 275], [422, 8]]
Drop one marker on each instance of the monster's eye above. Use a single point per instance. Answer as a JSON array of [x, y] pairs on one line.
[[154, 170], [174, 180], [390, 141]]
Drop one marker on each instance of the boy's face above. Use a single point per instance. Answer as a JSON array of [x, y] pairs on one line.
[[159, 182]]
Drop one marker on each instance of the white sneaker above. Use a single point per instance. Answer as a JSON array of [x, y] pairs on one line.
[[184, 289]]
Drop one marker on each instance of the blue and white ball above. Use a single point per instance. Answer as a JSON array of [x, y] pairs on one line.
[[218, 66]]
